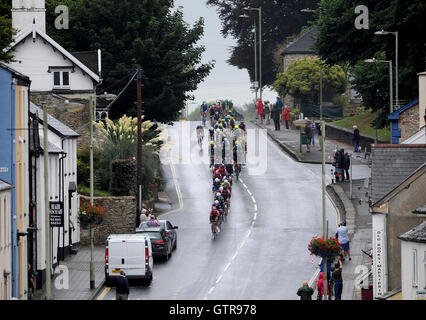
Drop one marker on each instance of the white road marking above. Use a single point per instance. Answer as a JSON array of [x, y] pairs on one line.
[[248, 191], [211, 290], [218, 279], [248, 233], [253, 199], [255, 207], [235, 255], [227, 266]]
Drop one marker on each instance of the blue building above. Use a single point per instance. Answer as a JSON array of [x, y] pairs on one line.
[[405, 122], [14, 159]]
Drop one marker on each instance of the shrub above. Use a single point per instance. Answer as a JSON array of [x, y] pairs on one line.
[[123, 177]]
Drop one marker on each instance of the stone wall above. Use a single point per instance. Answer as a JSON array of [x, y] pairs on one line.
[[74, 114], [120, 218], [345, 136], [409, 122]]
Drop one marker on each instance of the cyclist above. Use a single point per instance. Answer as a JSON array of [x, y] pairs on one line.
[[211, 153], [243, 126], [211, 132], [200, 134], [214, 219], [237, 164], [216, 186], [212, 114], [203, 111]]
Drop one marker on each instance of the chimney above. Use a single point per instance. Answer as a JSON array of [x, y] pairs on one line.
[[27, 13], [422, 98]]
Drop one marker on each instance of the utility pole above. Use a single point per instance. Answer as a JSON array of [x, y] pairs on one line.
[[255, 60], [260, 52], [92, 263], [139, 153], [46, 203]]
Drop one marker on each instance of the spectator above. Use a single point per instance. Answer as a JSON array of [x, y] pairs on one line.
[[314, 129], [308, 131], [343, 238], [320, 286], [31, 282], [276, 117], [342, 164], [260, 111], [267, 112], [337, 164], [319, 134], [305, 292], [153, 222], [122, 287], [279, 105], [356, 138], [346, 165], [338, 282], [286, 117], [144, 216]]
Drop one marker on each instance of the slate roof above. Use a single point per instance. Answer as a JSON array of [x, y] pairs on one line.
[[417, 234], [89, 59], [304, 44], [52, 148], [5, 186], [392, 164], [54, 124]]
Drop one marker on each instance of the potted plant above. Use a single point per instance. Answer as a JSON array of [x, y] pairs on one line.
[[90, 215], [329, 248]]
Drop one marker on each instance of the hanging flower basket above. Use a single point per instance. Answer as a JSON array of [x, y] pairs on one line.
[[90, 216], [324, 248]]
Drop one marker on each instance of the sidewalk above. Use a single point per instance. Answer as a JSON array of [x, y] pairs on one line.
[[356, 214], [290, 142]]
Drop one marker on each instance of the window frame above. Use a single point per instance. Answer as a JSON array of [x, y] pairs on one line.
[[61, 79]]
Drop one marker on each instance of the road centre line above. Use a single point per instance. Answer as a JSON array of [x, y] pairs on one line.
[[227, 266], [218, 279]]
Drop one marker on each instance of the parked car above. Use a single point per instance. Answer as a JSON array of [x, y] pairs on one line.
[[167, 226], [162, 245], [131, 253]]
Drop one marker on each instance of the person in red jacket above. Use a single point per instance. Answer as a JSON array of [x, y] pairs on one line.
[[260, 112], [286, 117]]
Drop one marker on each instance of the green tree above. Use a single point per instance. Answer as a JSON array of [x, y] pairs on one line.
[[280, 19], [139, 32], [302, 80], [6, 31], [340, 42]]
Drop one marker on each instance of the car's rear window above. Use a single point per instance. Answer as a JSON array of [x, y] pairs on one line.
[[153, 235], [144, 225]]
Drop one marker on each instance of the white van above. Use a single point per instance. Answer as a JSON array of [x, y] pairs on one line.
[[131, 253]]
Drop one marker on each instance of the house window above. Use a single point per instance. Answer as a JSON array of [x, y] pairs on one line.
[[415, 276], [61, 80]]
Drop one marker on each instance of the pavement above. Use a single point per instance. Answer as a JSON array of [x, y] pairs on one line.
[[289, 140]]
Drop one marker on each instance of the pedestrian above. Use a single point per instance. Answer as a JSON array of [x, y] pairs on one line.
[[286, 117], [308, 131], [356, 138], [305, 292], [320, 285], [275, 115], [279, 105], [346, 165], [260, 111], [31, 282], [267, 112], [337, 164], [144, 216], [314, 129], [122, 287], [153, 222], [319, 134], [338, 282], [330, 284], [343, 238]]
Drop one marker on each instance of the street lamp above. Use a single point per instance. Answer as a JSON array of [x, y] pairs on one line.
[[382, 33], [374, 60], [324, 217], [260, 45], [255, 55]]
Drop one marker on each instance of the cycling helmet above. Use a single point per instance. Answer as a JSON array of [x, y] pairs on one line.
[[218, 195], [219, 120], [216, 202], [216, 180], [237, 127], [212, 142], [221, 188], [225, 181]]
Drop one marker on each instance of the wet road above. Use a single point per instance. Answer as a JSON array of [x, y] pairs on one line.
[[261, 252]]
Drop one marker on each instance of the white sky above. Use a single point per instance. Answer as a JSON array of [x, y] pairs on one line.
[[225, 81]]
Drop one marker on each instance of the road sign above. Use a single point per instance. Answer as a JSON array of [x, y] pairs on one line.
[[56, 214]]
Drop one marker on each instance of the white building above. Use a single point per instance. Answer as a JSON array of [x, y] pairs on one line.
[[62, 190], [5, 241], [51, 68], [413, 260]]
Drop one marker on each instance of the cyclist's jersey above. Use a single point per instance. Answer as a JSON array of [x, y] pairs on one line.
[[204, 108], [214, 214], [212, 110]]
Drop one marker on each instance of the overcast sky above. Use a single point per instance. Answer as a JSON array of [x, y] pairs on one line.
[[225, 81]]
